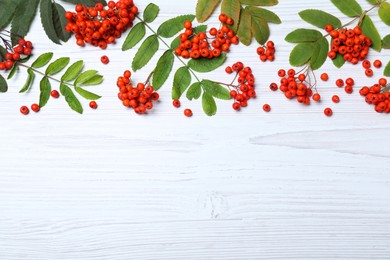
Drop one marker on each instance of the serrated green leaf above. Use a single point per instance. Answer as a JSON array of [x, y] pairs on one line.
[[42, 60], [386, 72], [244, 28], [320, 54], [163, 69], [25, 59], [3, 84], [197, 29], [208, 104], [89, 3], [260, 29], [350, 8], [267, 15], [194, 91], [95, 80], [3, 51], [384, 12], [216, 90], [22, 19], [60, 22], [45, 88], [301, 54], [320, 18], [83, 77], [73, 71], [134, 37], [259, 2], [7, 11], [369, 29], [86, 94], [147, 50], [15, 67], [232, 8], [207, 65], [172, 26], [71, 99], [57, 65], [46, 10], [339, 61], [204, 9], [374, 1], [29, 81], [151, 12], [181, 82], [386, 42], [303, 35]]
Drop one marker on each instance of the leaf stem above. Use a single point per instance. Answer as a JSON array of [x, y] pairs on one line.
[[43, 74], [149, 77]]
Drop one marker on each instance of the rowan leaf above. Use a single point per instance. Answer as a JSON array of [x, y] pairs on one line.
[[57, 65], [60, 22], [3, 84], [15, 68], [172, 26], [22, 19], [45, 88], [386, 42], [151, 12], [204, 9], [194, 91], [320, 18], [207, 65], [86, 94], [267, 15], [384, 12], [350, 8], [29, 81], [339, 61], [369, 29], [163, 69], [134, 37], [260, 29], [244, 28], [3, 51], [7, 11], [215, 89], [83, 77], [94, 80], [181, 82], [374, 1], [386, 72], [147, 50], [71, 99], [232, 8], [73, 71], [208, 104], [89, 3], [46, 10], [320, 53], [259, 2], [303, 35], [42, 60], [301, 53]]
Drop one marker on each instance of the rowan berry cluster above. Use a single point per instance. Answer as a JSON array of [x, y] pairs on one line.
[[347, 84], [367, 66], [350, 43], [378, 95], [98, 25], [139, 97], [201, 45], [245, 89], [267, 51], [24, 48]]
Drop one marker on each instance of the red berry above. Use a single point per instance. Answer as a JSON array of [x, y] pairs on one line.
[[328, 111], [350, 81], [340, 83], [176, 103], [324, 76], [335, 99], [54, 94], [104, 59], [24, 110], [266, 107], [187, 112], [35, 107], [316, 97], [236, 106], [369, 72], [93, 104], [228, 69], [366, 64], [377, 64]]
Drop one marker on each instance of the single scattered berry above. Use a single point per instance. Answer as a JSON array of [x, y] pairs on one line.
[[340, 83], [366, 64], [328, 111], [93, 104], [54, 94], [35, 107], [104, 59], [187, 112], [176, 103], [335, 99], [24, 110], [377, 64], [266, 107], [324, 76], [369, 72], [273, 86]]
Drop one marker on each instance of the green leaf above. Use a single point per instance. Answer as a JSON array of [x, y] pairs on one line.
[[194, 91], [3, 51], [260, 29], [320, 18], [71, 99], [15, 68], [73, 71], [208, 104], [197, 29], [374, 1], [7, 11], [60, 22], [42, 60], [29, 81], [148, 48], [3, 84], [86, 94], [215, 89], [163, 69], [301, 54], [23, 18], [384, 12], [320, 54], [85, 76], [386, 42], [267, 15], [207, 65], [181, 82], [172, 26], [47, 20], [204, 9], [350, 8], [386, 72], [244, 28], [57, 65], [45, 88], [151, 12], [369, 29], [303, 35], [95, 80], [232, 9], [89, 3], [259, 2], [134, 37], [338, 61]]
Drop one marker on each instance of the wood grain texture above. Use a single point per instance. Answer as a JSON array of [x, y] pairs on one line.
[[291, 184]]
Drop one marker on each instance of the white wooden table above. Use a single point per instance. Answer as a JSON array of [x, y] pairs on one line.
[[290, 184]]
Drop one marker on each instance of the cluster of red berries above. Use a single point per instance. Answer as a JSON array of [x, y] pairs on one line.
[[347, 84], [200, 45], [140, 97], [99, 26], [245, 89], [378, 95], [267, 52], [350, 43], [24, 48]]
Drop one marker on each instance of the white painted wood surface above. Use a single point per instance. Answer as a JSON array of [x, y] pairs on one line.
[[291, 184]]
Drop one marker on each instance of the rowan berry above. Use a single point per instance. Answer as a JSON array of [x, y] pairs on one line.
[[369, 72], [176, 103], [281, 73], [104, 59], [366, 64], [187, 112], [335, 99], [222, 18], [93, 104], [382, 81], [266, 108], [35, 107], [228, 70], [377, 64], [324, 77], [328, 111], [348, 89], [24, 110], [273, 86], [350, 81], [316, 97], [54, 93], [328, 28], [339, 83]]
